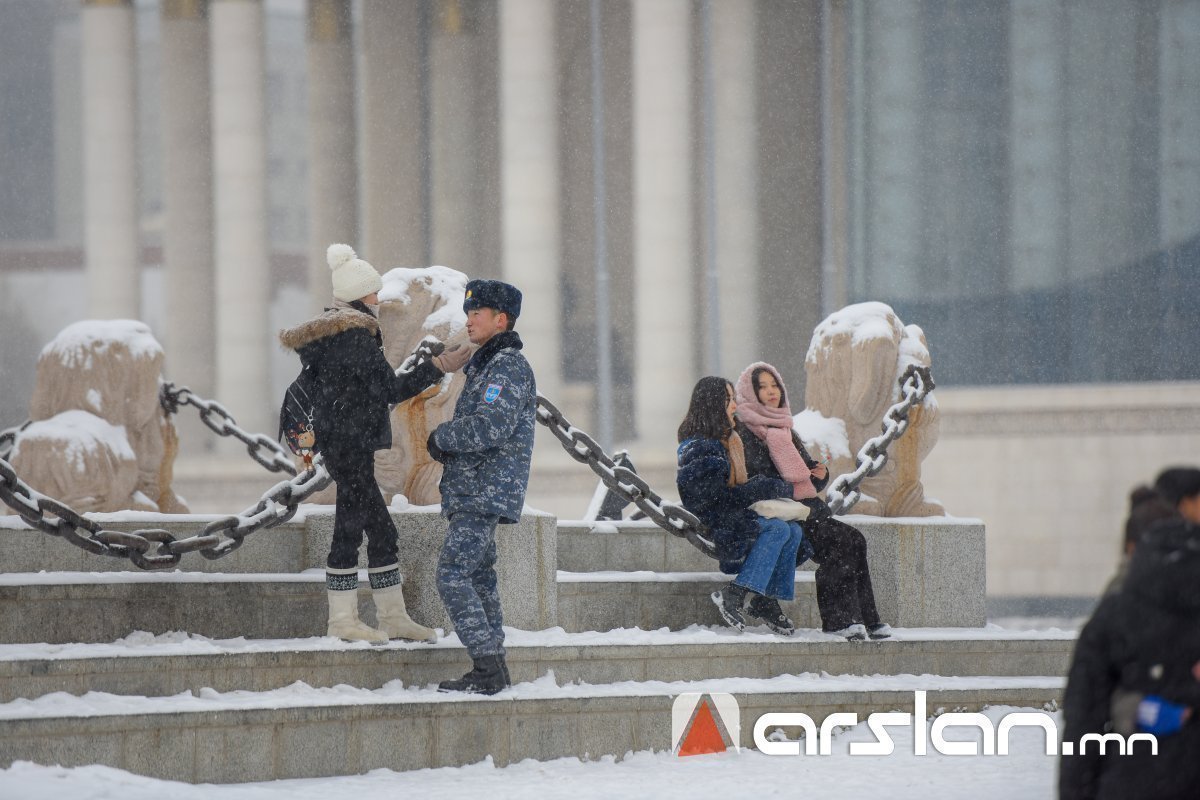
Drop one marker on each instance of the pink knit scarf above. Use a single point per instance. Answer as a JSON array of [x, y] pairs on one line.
[[774, 426]]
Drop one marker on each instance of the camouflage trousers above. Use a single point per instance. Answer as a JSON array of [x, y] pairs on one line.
[[466, 581]]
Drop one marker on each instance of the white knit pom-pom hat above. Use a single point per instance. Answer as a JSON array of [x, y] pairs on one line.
[[353, 278]]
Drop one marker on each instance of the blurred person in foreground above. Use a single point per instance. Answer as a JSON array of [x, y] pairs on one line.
[[1136, 669]]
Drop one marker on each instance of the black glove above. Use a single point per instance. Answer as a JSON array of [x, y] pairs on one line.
[[435, 452]]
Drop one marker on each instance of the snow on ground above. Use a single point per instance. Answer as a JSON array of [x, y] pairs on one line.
[[185, 644], [1025, 773]]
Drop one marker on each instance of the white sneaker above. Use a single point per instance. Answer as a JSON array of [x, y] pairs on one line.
[[853, 633], [880, 631]]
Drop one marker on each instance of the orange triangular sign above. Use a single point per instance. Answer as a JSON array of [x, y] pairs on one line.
[[704, 736]]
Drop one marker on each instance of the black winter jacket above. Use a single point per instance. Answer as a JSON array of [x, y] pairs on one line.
[[758, 456], [357, 384], [703, 487], [1143, 639]]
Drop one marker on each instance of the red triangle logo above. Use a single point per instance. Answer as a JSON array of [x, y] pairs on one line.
[[704, 736]]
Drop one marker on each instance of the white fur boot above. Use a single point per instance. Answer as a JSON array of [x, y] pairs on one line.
[[344, 622], [393, 617]]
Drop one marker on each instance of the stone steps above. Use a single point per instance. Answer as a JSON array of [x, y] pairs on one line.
[[60, 608], [170, 665], [303, 732]]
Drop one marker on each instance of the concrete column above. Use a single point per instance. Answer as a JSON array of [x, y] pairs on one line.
[[332, 151], [529, 179], [790, 182], [1179, 44], [395, 151], [187, 195], [736, 181], [240, 203], [110, 170], [893, 57], [1039, 203], [465, 137], [662, 80]]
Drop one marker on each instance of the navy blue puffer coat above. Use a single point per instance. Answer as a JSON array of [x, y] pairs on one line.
[[702, 481]]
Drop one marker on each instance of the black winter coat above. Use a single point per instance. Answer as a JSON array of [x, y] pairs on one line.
[[758, 456], [703, 487], [356, 383], [1143, 639]]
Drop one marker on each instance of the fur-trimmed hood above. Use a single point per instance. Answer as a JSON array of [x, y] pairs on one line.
[[332, 322]]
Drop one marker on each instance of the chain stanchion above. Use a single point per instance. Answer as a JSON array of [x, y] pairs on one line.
[[915, 384]]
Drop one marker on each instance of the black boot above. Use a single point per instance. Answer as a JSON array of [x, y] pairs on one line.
[[768, 611], [489, 675], [729, 604]]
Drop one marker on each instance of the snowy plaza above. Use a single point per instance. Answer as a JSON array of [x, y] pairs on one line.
[[763, 398]]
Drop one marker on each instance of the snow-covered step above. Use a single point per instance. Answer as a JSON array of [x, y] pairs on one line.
[[65, 607], [601, 601], [301, 731], [165, 665], [101, 607]]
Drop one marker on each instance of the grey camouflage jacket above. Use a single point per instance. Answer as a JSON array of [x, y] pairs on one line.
[[488, 445]]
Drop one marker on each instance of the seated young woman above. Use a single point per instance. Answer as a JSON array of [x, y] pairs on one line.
[[845, 597], [714, 486]]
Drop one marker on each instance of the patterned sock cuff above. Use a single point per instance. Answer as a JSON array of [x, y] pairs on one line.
[[385, 577], [341, 580]]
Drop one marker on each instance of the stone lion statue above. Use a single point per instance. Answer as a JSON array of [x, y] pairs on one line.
[[98, 439], [853, 367]]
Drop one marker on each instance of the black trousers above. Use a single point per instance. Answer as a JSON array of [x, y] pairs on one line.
[[844, 593], [360, 509]]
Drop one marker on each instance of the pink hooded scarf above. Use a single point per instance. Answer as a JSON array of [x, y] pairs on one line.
[[774, 426]]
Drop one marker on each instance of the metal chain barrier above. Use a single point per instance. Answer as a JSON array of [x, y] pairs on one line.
[[915, 384], [279, 504], [154, 548], [262, 448], [623, 481]]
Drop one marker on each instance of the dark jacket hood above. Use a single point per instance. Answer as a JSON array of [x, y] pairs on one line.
[[1165, 568]]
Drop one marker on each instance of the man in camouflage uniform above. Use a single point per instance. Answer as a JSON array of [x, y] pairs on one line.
[[486, 450]]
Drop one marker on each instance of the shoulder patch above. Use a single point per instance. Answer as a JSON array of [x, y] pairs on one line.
[[492, 392]]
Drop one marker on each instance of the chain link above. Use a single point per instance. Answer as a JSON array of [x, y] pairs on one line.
[[262, 448], [623, 481], [915, 384]]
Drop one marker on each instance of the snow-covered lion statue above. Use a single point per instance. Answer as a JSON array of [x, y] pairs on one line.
[[853, 366], [99, 440]]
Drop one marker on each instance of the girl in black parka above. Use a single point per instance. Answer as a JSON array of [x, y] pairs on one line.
[[355, 388]]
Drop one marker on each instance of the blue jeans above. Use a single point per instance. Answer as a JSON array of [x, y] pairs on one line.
[[770, 569]]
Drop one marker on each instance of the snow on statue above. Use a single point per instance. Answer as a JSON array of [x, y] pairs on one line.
[[99, 440], [853, 366]]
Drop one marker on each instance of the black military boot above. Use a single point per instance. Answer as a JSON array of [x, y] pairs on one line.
[[768, 611], [488, 676]]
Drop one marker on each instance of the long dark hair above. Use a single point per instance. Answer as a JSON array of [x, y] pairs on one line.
[[706, 417], [756, 376]]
